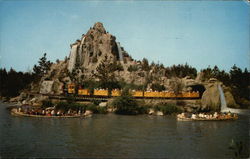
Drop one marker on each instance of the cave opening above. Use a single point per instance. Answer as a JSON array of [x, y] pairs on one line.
[[198, 87]]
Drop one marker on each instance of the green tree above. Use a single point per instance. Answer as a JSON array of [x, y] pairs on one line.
[[125, 104], [43, 67], [145, 65]]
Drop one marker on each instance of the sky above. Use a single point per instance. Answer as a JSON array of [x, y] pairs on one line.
[[200, 33]]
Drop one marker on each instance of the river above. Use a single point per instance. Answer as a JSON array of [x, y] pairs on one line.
[[119, 136]]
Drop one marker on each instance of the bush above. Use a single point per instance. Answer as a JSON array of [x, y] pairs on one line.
[[62, 106], [125, 104], [46, 104], [157, 87], [168, 108], [143, 109], [102, 110], [65, 106], [92, 107]]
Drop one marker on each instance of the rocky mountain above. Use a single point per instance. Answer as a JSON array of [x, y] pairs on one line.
[[98, 56]]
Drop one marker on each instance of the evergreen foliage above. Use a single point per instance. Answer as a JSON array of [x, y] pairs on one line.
[[125, 104], [181, 71], [167, 108], [12, 82], [43, 67]]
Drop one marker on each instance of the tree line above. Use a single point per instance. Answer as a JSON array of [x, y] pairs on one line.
[[12, 82]]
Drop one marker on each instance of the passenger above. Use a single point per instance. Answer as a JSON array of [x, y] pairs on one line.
[[215, 115], [193, 116], [53, 112]]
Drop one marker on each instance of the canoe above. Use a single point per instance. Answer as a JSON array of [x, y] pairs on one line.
[[16, 113], [204, 119]]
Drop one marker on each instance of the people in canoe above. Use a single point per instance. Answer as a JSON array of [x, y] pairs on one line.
[[207, 116], [47, 112]]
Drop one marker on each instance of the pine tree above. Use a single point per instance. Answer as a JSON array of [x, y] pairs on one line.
[[43, 67]]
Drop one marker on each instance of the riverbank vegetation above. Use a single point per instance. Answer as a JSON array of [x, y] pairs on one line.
[[12, 83], [125, 104], [65, 106]]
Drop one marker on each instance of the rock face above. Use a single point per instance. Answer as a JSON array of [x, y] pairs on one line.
[[46, 87], [211, 97], [94, 47], [229, 98]]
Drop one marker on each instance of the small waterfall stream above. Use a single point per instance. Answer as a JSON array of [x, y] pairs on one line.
[[72, 58], [119, 51], [222, 99]]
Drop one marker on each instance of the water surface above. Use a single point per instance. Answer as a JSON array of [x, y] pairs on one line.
[[117, 136]]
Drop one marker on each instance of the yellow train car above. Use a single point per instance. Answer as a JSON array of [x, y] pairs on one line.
[[195, 94], [137, 93], [168, 95], [71, 88], [152, 94], [84, 92], [115, 93], [102, 92]]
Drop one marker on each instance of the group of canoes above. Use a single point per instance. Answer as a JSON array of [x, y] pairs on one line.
[[206, 116], [47, 112]]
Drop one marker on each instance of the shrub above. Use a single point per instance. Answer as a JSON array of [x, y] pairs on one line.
[[143, 109], [157, 87], [92, 108], [102, 110], [62, 106], [125, 104], [168, 108], [65, 106], [132, 68], [46, 104]]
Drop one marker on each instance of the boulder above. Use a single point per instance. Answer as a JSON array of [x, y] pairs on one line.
[[151, 111], [211, 97], [230, 98], [88, 112], [103, 104], [160, 113], [15, 99]]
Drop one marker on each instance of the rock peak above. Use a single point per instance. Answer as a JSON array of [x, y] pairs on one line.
[[99, 26]]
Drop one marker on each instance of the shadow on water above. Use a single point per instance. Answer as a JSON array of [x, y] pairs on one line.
[[116, 136]]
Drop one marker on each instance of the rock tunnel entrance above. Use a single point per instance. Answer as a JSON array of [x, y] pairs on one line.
[[198, 87]]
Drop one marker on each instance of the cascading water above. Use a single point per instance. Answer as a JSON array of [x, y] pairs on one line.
[[72, 58], [224, 107], [119, 51], [222, 99]]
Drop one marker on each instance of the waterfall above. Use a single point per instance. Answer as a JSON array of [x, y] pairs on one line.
[[222, 99], [72, 58], [224, 107], [119, 51]]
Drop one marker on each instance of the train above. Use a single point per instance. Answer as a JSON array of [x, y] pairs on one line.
[[73, 89]]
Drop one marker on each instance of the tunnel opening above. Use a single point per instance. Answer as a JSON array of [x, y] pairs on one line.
[[199, 87]]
